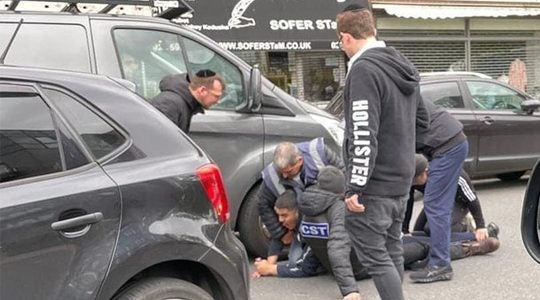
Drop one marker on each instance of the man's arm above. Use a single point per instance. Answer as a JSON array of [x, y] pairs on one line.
[[305, 268], [339, 249], [267, 213], [467, 193], [363, 119], [170, 108], [422, 114]]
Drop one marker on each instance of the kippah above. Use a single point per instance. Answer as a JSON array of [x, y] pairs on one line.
[[358, 5], [205, 73]]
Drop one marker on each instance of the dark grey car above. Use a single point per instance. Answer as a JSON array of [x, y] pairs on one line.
[[103, 197], [502, 124]]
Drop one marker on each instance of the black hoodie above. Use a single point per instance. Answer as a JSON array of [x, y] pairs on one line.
[[382, 109], [176, 101], [333, 251]]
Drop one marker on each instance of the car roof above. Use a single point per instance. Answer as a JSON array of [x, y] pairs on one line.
[[61, 77], [160, 10], [436, 76], [48, 15]]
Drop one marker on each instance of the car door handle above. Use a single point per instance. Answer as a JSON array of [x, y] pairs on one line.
[[77, 221], [488, 120]]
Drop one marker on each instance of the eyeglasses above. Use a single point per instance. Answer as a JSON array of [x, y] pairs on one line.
[[215, 94]]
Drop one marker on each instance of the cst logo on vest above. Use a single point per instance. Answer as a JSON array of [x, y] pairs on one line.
[[314, 230]]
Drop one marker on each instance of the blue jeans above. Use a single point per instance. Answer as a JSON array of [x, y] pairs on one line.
[[439, 197]]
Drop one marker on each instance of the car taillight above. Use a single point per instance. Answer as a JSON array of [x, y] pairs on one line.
[[210, 177]]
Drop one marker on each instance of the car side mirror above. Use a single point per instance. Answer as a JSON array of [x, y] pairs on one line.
[[254, 101], [530, 215], [529, 106]]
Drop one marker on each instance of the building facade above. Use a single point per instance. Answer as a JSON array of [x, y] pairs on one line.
[[295, 43]]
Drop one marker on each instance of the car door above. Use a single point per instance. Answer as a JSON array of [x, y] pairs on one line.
[[509, 140], [150, 51], [59, 211], [448, 94]]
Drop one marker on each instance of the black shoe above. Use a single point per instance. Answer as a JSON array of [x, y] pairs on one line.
[[432, 274], [418, 265], [493, 230]]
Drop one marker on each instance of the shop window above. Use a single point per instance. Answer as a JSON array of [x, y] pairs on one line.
[[321, 76], [278, 69]]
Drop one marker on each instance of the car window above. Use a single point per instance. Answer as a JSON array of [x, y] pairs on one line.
[[200, 57], [6, 31], [445, 94], [28, 141], [487, 95], [100, 137], [50, 46], [146, 56]]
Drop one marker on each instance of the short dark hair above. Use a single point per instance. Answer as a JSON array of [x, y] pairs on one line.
[[359, 23], [286, 200]]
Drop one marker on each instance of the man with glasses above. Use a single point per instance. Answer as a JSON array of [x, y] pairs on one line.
[[182, 96], [294, 167], [382, 108]]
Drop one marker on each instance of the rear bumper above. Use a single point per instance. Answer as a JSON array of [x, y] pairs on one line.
[[228, 259]]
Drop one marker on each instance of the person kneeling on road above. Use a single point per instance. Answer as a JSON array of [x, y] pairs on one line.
[[323, 228], [466, 201]]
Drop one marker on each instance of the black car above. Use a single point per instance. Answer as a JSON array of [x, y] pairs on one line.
[[530, 215], [103, 197], [502, 124]]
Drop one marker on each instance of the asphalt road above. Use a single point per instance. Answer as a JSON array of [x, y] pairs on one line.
[[508, 273]]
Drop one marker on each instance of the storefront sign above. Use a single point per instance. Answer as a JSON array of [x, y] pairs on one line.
[[267, 24]]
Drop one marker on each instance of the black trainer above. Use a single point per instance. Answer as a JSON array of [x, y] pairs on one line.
[[418, 265], [432, 274], [493, 230]]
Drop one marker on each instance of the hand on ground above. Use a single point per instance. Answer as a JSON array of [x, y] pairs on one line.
[[352, 296]]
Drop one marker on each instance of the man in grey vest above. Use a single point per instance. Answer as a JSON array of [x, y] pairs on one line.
[[294, 166]]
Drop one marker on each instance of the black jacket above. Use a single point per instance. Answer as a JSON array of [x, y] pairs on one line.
[[320, 207], [466, 201], [267, 201], [176, 102], [444, 132], [382, 109]]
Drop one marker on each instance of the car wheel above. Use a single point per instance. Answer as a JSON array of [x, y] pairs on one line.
[[163, 288], [253, 234], [511, 176]]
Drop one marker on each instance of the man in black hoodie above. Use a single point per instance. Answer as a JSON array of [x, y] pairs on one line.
[[323, 228], [382, 108], [182, 97]]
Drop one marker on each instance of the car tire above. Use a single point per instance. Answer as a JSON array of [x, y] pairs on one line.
[[252, 232], [510, 176], [163, 288]]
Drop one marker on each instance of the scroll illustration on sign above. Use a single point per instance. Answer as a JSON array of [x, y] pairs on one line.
[[237, 19]]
